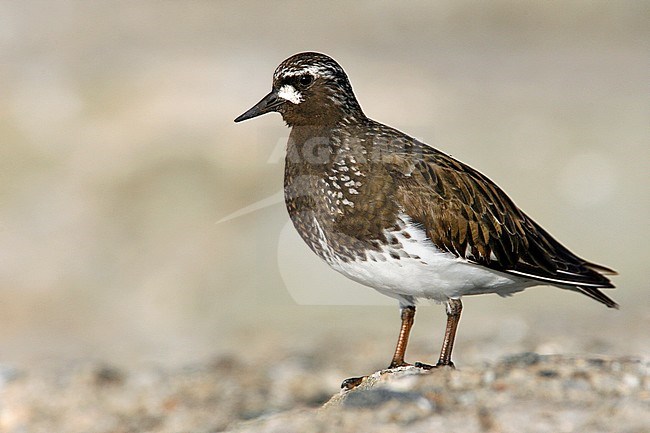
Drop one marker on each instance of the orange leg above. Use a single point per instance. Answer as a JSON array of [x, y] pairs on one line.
[[454, 308], [408, 314]]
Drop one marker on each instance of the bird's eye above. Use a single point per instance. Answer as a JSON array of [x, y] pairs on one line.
[[305, 80]]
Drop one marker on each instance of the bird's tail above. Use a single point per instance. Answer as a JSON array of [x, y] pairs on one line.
[[596, 294]]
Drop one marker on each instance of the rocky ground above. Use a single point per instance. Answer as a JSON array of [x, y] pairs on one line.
[[525, 392]]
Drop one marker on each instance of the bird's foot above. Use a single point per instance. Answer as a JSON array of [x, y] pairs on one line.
[[352, 382], [431, 367], [398, 365]]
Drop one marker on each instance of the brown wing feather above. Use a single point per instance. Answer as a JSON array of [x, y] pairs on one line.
[[468, 215]]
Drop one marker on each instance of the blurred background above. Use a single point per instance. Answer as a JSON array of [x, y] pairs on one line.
[[138, 223]]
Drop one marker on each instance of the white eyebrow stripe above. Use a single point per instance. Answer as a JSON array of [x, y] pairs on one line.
[[313, 70], [290, 94]]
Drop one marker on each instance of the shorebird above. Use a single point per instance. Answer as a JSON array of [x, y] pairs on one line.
[[393, 213]]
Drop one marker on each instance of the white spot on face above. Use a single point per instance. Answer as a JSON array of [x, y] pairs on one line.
[[290, 94]]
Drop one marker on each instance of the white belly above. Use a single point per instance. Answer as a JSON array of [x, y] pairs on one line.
[[435, 275]]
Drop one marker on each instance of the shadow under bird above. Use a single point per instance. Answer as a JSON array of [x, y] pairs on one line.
[[395, 214]]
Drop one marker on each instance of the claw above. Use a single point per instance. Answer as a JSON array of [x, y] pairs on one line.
[[431, 367], [352, 382], [448, 364], [398, 364]]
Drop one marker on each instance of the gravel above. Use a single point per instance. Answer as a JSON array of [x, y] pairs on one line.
[[525, 392]]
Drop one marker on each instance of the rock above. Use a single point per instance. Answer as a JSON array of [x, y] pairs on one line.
[[526, 392]]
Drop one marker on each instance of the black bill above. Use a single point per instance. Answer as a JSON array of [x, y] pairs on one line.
[[269, 103]]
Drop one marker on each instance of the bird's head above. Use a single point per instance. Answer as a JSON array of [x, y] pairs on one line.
[[308, 89]]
